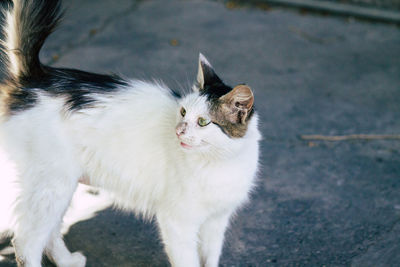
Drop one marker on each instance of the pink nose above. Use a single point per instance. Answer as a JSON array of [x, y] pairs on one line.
[[181, 128]]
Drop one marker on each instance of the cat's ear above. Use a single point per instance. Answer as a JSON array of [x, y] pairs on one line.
[[238, 104], [205, 74]]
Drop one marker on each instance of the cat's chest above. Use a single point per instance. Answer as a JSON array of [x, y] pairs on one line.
[[222, 185]]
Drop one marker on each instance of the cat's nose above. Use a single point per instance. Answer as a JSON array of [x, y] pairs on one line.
[[181, 128]]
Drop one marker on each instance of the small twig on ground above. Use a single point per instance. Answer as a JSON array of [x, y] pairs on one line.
[[351, 137]]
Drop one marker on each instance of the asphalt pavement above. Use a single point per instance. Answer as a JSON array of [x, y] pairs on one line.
[[318, 202]]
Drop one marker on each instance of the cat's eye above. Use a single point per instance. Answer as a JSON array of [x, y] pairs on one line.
[[203, 122], [183, 112]]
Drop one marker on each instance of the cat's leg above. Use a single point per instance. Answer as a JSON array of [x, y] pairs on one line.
[[180, 241], [48, 182], [211, 236], [58, 252]]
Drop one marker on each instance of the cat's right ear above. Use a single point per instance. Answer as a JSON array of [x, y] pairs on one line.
[[237, 104], [205, 74]]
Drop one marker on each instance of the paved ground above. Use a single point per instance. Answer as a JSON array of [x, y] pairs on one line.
[[318, 203]]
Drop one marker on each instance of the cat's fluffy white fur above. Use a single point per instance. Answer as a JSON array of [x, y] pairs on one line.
[[127, 143]]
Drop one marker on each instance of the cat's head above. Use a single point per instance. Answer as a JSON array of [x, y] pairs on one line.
[[215, 116]]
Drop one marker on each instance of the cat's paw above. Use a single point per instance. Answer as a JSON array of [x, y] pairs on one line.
[[77, 259]]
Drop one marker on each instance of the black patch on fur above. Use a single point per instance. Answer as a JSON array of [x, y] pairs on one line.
[[15, 99], [214, 87], [215, 90], [78, 87]]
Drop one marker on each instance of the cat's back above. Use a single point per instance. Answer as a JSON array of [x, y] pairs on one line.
[[127, 134], [137, 111]]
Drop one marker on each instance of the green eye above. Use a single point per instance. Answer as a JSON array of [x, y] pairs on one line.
[[203, 122], [183, 112]]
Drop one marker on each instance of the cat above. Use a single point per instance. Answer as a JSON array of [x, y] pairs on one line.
[[188, 162]]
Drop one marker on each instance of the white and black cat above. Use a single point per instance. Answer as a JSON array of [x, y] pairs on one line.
[[189, 162]]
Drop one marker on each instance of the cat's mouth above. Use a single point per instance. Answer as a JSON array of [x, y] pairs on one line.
[[191, 146], [184, 145]]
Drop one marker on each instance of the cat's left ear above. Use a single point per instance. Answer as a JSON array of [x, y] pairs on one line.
[[205, 74], [238, 104]]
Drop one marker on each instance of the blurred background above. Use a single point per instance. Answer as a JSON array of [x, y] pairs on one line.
[[329, 68]]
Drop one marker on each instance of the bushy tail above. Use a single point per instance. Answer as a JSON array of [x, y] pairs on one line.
[[27, 25]]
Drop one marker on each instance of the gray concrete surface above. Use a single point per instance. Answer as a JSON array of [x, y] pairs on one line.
[[346, 8], [317, 203]]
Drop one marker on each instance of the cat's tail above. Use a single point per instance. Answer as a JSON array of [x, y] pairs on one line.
[[27, 25]]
